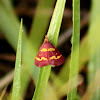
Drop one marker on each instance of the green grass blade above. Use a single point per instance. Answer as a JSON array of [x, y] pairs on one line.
[[53, 37], [16, 81], [55, 23], [42, 83], [41, 21], [74, 63]]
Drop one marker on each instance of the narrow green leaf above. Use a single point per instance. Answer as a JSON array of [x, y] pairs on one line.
[[41, 21], [16, 81], [74, 63], [53, 37], [55, 23]]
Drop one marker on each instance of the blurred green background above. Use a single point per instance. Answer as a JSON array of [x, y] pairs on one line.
[[36, 16]]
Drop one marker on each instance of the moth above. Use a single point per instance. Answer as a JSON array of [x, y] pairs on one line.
[[48, 55]]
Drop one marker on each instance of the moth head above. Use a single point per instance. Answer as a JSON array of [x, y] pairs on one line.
[[46, 39]]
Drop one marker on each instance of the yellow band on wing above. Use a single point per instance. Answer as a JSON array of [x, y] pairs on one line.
[[54, 57], [43, 50], [50, 49], [40, 59]]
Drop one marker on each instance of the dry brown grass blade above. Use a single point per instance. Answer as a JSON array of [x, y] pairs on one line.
[[7, 79], [8, 57], [3, 93]]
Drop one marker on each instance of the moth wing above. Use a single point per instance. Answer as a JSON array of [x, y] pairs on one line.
[[54, 56], [41, 58]]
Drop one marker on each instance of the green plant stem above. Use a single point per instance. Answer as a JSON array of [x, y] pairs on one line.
[[74, 63], [53, 37], [42, 83]]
